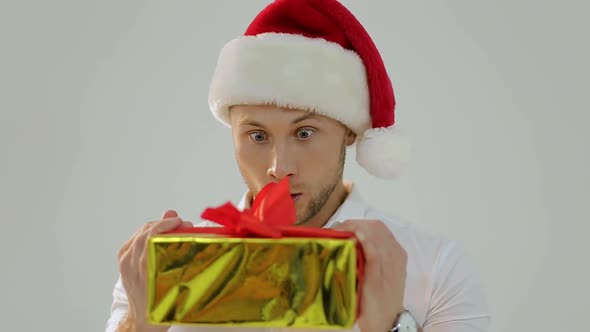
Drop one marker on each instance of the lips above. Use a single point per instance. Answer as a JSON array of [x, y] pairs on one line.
[[296, 196]]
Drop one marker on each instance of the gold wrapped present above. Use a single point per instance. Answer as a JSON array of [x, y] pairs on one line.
[[257, 270], [298, 282]]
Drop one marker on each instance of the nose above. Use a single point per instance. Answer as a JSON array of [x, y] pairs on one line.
[[282, 163]]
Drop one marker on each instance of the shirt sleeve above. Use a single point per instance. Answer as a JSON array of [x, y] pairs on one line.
[[118, 307], [458, 302]]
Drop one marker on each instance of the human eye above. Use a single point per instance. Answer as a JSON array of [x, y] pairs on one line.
[[257, 136], [305, 133]]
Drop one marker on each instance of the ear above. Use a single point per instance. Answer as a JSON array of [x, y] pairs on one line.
[[350, 137]]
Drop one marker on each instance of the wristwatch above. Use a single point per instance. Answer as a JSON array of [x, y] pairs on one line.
[[404, 322]]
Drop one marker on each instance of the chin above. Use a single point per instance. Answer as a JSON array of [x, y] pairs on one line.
[[299, 221], [303, 217], [300, 211]]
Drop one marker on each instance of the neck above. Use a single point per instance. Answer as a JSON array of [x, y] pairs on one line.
[[332, 204]]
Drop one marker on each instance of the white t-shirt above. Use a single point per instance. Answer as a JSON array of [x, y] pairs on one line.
[[443, 290]]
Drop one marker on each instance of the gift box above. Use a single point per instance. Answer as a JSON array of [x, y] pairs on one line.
[[257, 269]]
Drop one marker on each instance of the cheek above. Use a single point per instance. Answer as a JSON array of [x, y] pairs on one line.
[[321, 158], [252, 162]]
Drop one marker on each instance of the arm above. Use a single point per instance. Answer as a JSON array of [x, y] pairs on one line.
[[458, 300]]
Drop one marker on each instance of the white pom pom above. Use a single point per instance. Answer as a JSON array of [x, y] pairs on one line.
[[383, 152]]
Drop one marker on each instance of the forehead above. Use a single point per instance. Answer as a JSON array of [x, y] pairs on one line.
[[240, 114]]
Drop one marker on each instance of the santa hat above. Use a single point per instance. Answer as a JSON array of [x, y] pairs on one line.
[[314, 55]]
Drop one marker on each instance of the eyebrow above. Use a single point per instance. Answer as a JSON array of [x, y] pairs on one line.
[[305, 117], [246, 121]]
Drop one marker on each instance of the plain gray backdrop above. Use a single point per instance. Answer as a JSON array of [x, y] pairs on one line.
[[104, 125]]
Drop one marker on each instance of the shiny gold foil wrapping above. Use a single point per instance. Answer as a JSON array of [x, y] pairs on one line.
[[252, 282]]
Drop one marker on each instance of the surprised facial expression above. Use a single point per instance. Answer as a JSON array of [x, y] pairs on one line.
[[272, 142]]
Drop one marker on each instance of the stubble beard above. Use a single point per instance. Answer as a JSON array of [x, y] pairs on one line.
[[319, 201]]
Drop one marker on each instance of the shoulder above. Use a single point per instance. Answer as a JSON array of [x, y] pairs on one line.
[[429, 254], [436, 253], [419, 244], [440, 271]]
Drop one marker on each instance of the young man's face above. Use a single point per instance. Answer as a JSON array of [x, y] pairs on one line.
[[272, 142]]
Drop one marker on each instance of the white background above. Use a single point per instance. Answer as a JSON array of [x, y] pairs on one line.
[[104, 125]]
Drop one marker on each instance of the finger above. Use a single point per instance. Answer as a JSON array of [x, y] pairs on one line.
[[361, 233], [386, 251], [376, 241], [123, 259], [372, 256], [132, 239], [393, 255], [347, 226], [139, 231], [138, 244], [186, 224], [159, 227], [383, 240], [125, 248], [170, 214], [379, 251]]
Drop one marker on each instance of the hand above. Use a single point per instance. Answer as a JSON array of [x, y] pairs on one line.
[[132, 266], [384, 276]]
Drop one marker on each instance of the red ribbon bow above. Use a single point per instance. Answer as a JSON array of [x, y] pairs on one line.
[[272, 215], [272, 209]]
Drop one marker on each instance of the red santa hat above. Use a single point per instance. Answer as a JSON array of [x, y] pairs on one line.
[[314, 55]]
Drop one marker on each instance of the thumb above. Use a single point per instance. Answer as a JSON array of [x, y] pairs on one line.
[[170, 214]]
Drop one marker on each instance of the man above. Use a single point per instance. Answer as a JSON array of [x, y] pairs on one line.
[[303, 84]]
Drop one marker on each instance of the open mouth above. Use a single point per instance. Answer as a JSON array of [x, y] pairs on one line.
[[296, 196]]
